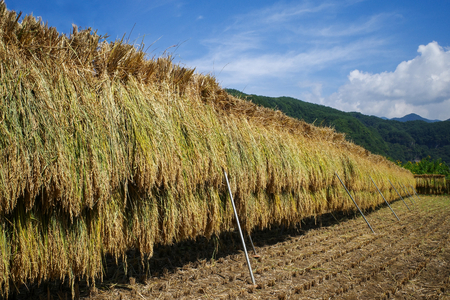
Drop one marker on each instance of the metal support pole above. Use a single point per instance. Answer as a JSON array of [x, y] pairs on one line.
[[404, 192], [414, 190], [405, 189], [240, 231], [255, 255], [399, 194], [384, 198], [354, 202]]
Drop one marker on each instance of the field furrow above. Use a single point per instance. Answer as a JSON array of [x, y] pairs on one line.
[[339, 259]]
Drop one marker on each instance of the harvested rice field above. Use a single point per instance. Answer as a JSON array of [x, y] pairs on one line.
[[108, 152], [338, 259], [111, 185]]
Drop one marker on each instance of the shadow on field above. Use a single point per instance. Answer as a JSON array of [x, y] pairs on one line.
[[186, 254]]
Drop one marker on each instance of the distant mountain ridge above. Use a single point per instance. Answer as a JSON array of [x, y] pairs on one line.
[[404, 140], [412, 117]]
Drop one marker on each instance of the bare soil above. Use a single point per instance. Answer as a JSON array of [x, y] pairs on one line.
[[337, 257]]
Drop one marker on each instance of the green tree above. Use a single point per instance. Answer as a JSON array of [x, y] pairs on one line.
[[428, 166]]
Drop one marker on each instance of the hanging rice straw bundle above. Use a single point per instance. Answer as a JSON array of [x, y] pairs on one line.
[[103, 150]]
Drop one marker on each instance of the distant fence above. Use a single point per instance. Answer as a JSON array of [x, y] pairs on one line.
[[432, 184]]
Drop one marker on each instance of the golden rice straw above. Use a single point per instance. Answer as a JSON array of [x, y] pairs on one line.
[[104, 150]]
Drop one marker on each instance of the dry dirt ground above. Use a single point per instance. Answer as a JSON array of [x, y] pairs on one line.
[[337, 259]]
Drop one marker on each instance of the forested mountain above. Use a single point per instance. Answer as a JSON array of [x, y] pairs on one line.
[[404, 141], [412, 117]]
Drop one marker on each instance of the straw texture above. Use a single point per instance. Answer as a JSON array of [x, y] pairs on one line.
[[432, 184], [103, 149]]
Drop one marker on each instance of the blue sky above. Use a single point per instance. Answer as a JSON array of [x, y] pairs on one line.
[[383, 58]]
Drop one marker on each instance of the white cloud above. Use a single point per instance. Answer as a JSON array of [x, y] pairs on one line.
[[420, 85], [314, 94], [271, 49], [362, 26], [269, 45], [280, 13], [239, 61]]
